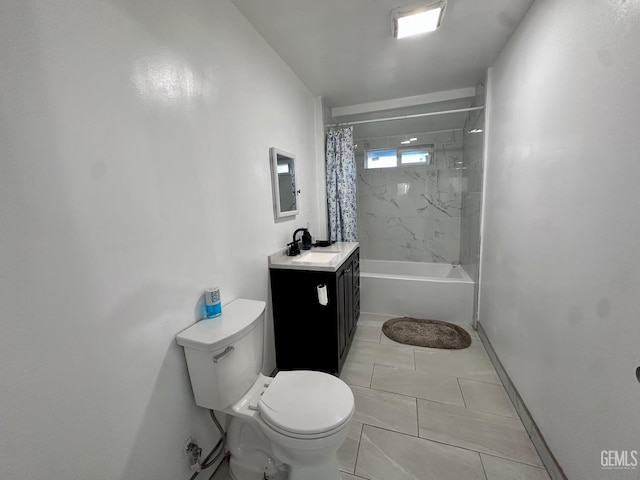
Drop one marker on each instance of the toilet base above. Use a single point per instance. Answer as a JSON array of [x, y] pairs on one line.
[[255, 457], [250, 451], [239, 469]]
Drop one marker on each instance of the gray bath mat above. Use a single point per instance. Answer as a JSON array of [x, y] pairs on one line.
[[426, 333]]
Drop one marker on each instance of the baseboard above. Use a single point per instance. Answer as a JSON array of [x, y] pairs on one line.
[[547, 457]]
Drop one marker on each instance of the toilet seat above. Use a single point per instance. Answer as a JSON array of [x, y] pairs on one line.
[[306, 404]]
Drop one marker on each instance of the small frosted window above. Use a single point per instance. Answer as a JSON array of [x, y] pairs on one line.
[[422, 155], [381, 159]]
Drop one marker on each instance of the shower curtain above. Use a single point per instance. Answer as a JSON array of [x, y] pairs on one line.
[[341, 186]]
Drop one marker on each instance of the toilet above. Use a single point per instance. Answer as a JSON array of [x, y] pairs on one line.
[[285, 427]]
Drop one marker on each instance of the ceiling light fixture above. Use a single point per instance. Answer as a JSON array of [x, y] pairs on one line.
[[414, 19]]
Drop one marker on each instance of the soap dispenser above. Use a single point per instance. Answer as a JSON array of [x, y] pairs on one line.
[[306, 240]]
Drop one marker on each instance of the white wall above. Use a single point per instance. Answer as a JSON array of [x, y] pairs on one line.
[[134, 172], [561, 262]]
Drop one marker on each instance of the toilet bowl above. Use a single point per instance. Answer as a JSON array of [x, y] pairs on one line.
[[299, 418], [285, 427]]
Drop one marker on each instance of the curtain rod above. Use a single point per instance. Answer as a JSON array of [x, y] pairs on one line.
[[432, 132], [416, 115]]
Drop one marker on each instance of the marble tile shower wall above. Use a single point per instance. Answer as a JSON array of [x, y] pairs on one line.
[[412, 213]]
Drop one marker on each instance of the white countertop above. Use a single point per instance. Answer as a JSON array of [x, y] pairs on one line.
[[342, 250]]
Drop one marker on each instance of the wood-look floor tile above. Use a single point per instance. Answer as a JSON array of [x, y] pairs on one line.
[[348, 476], [367, 333], [367, 352], [388, 455], [348, 452], [373, 319], [386, 410], [425, 385], [501, 469], [469, 363], [480, 431], [357, 373], [487, 397]]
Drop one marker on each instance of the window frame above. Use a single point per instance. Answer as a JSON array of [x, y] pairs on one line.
[[366, 157], [430, 147]]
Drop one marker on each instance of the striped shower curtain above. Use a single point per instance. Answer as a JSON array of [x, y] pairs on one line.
[[341, 186]]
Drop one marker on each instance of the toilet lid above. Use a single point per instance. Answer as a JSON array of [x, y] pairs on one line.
[[305, 402]]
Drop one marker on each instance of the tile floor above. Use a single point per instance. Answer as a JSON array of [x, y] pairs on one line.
[[425, 414]]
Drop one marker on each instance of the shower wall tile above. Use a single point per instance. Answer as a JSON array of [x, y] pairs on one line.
[[422, 179], [410, 205], [403, 228], [446, 238], [472, 204], [465, 250], [474, 173], [377, 206], [449, 154], [450, 180], [434, 205], [412, 213], [428, 251], [385, 249], [440, 205], [409, 228], [371, 184], [371, 226], [365, 244], [470, 231], [419, 250]]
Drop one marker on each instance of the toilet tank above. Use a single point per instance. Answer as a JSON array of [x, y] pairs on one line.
[[224, 354]]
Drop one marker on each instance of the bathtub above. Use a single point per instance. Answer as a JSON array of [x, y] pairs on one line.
[[437, 291]]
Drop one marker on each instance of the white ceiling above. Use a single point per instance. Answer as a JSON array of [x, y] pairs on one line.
[[343, 49]]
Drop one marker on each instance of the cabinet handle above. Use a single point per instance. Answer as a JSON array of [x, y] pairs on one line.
[[220, 356]]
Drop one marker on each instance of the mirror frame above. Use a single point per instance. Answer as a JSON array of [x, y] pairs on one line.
[[273, 154]]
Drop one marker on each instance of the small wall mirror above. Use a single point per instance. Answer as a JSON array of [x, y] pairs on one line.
[[283, 180]]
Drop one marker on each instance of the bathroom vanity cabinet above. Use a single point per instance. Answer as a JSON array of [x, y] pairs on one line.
[[309, 335]]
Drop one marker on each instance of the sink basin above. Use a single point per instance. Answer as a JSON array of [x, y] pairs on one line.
[[316, 257]]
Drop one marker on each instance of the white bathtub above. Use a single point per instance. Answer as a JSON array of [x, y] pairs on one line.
[[437, 291]]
